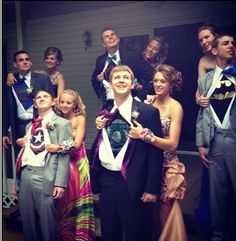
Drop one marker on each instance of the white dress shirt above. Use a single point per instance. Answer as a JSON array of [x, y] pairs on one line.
[[109, 91], [105, 151]]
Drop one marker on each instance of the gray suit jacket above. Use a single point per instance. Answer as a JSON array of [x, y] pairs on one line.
[[205, 122], [57, 164]]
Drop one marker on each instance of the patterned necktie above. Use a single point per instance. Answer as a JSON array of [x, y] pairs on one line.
[[37, 144]]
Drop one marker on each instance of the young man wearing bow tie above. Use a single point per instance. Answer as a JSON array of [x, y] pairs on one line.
[[216, 132], [114, 56]]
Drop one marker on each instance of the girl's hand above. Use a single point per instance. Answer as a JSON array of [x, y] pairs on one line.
[[11, 79], [100, 122], [150, 99], [135, 130], [52, 148]]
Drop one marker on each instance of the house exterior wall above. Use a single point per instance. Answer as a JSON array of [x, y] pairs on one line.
[[139, 18]]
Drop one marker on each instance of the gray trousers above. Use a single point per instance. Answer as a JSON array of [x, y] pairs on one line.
[[222, 176], [36, 208]]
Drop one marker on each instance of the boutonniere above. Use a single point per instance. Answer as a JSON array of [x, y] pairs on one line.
[[29, 90], [51, 125], [135, 114]]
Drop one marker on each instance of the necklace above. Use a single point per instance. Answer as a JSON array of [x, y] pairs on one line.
[[53, 78]]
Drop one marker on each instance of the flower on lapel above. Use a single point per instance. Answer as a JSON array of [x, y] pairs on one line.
[[135, 114], [51, 125], [29, 90]]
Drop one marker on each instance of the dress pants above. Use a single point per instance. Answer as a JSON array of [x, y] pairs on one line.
[[120, 215], [36, 208], [222, 179]]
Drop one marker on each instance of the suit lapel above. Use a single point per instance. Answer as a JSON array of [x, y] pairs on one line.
[[32, 80], [52, 133], [209, 79], [132, 143]]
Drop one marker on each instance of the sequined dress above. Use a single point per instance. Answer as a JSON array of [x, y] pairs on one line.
[[173, 188]]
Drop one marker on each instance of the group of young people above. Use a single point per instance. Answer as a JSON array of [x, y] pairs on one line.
[[133, 164]]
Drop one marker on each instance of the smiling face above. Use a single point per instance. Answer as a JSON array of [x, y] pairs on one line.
[[110, 39], [152, 50], [121, 83], [205, 38], [161, 85], [51, 61], [66, 103]]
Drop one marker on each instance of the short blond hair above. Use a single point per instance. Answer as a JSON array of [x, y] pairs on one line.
[[120, 68]]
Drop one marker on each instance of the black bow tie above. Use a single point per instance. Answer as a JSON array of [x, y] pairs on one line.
[[111, 58], [231, 71]]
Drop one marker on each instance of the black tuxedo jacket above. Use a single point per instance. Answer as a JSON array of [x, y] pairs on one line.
[[141, 69], [38, 82], [143, 173]]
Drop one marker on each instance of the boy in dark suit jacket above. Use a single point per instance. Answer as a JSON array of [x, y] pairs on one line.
[[115, 56], [18, 107], [126, 172]]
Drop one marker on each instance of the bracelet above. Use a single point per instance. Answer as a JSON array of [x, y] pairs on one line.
[[147, 135], [66, 146]]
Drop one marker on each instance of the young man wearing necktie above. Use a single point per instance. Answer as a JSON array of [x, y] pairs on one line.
[[18, 107], [216, 132], [114, 56], [42, 176], [126, 172]]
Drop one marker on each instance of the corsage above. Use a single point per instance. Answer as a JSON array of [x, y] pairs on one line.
[[147, 135], [66, 146]]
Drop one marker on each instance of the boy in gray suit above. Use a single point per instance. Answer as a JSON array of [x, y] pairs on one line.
[[216, 131], [42, 176]]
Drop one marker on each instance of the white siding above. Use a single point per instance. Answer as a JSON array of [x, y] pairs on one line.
[[64, 31], [9, 39]]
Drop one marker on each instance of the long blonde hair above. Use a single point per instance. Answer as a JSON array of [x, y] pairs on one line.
[[79, 108]]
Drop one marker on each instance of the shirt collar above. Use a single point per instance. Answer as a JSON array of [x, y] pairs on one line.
[[117, 54], [125, 109], [47, 118], [218, 73], [27, 76]]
